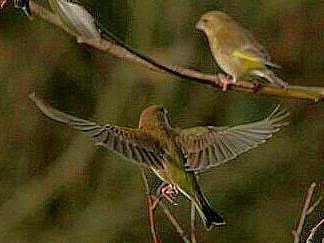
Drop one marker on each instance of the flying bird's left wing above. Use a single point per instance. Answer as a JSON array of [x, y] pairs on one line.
[[130, 143], [205, 147]]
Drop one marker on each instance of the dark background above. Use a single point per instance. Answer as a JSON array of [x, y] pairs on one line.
[[56, 187]]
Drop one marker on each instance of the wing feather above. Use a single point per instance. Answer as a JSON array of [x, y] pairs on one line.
[[133, 144], [210, 146]]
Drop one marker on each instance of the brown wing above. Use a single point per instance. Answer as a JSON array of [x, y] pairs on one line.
[[232, 37], [205, 147], [130, 143]]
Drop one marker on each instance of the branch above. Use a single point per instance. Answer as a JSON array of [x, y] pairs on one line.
[[155, 235], [152, 202], [193, 230], [312, 208], [313, 231], [173, 220], [292, 91], [307, 209]]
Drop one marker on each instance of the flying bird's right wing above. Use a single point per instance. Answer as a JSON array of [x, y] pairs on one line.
[[205, 147], [127, 142]]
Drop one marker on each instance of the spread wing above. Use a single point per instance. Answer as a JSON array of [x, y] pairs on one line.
[[130, 143], [210, 146]]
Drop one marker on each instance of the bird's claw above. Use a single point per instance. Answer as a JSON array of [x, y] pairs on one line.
[[169, 192], [225, 81]]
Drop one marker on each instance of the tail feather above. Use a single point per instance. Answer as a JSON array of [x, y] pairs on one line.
[[209, 216], [270, 76]]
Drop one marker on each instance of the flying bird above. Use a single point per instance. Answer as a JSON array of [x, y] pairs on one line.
[[175, 155]]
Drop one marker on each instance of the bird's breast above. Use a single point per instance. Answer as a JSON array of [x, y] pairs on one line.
[[229, 63], [161, 173]]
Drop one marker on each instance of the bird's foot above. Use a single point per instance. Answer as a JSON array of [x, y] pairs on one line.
[[169, 192], [225, 81], [80, 39], [256, 86]]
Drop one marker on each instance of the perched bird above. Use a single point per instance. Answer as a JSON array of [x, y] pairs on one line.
[[175, 155], [78, 20], [235, 49]]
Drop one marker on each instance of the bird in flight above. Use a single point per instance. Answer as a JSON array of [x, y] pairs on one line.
[[175, 155]]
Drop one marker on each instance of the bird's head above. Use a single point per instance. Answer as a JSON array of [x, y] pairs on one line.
[[154, 117], [211, 21]]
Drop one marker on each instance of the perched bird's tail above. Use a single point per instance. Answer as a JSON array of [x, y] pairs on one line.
[[270, 76], [209, 216]]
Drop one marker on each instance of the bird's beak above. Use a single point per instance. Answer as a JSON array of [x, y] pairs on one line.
[[199, 25]]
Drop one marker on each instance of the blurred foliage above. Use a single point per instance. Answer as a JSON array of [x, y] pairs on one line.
[[55, 187]]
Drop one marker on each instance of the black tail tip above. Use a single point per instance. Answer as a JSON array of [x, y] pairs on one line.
[[215, 221], [210, 224], [210, 216]]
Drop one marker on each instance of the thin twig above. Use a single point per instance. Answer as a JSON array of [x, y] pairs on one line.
[[152, 202], [156, 203], [154, 233], [306, 208], [313, 231], [173, 220], [312, 208], [193, 230], [292, 91]]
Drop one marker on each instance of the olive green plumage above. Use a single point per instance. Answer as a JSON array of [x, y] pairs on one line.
[[235, 49], [175, 154]]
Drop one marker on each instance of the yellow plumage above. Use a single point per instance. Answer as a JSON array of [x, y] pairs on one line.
[[235, 49], [175, 154]]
